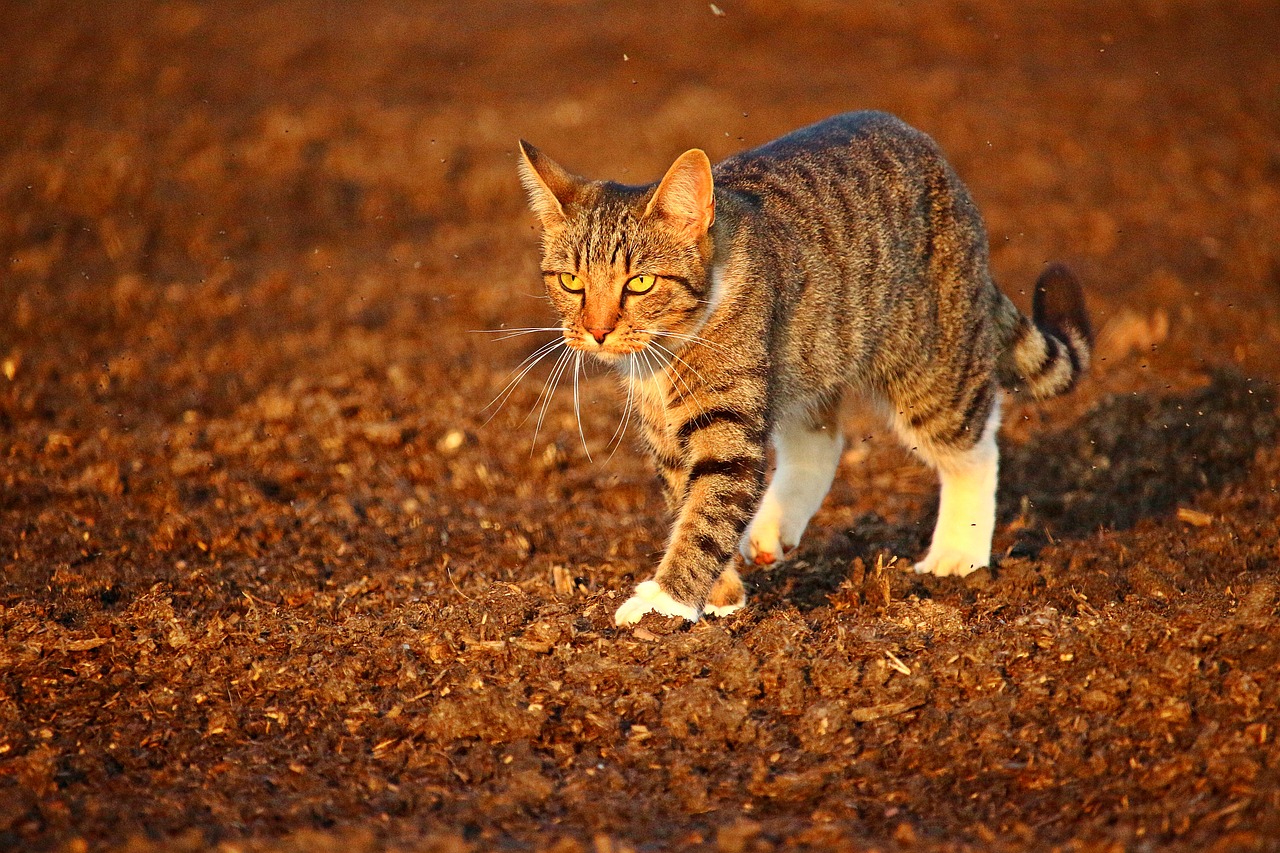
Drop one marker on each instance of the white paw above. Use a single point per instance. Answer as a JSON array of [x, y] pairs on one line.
[[725, 609], [649, 598], [765, 542], [727, 595], [944, 562], [761, 546]]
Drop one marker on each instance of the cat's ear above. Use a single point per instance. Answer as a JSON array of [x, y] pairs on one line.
[[686, 198], [549, 186]]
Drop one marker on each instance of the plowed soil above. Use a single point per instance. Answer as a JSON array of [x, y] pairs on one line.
[[275, 578]]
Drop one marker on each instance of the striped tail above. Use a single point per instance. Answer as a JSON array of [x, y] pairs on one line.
[[1049, 351]]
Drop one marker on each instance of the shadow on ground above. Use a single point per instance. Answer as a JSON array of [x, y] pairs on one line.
[[1131, 457]]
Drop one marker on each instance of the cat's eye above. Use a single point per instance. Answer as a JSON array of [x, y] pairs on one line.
[[571, 282], [642, 283]]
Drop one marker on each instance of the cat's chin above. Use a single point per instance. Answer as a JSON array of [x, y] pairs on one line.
[[623, 361], [615, 360]]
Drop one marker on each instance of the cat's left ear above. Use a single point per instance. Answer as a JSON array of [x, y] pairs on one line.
[[686, 196], [549, 185]]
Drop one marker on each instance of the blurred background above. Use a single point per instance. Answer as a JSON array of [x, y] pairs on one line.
[[299, 174]]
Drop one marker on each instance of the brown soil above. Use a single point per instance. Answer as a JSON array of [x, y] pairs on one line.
[[271, 582]]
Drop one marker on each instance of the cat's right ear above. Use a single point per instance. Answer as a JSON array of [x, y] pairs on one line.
[[685, 198], [549, 186]]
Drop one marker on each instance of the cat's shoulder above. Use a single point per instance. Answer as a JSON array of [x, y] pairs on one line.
[[863, 122]]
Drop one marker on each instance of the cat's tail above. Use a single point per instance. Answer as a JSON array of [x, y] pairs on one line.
[[1048, 351]]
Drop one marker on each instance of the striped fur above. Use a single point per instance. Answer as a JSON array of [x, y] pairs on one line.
[[1048, 352], [843, 261]]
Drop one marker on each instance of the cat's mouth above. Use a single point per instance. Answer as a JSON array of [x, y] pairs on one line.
[[610, 347]]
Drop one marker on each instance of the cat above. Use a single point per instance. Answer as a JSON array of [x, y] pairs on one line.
[[751, 302]]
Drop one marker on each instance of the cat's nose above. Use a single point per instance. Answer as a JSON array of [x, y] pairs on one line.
[[599, 334]]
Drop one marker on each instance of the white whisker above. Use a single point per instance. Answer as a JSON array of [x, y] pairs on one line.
[[686, 337], [676, 375], [626, 408], [548, 388], [577, 412], [520, 372], [508, 334], [657, 357], [657, 364], [516, 329]]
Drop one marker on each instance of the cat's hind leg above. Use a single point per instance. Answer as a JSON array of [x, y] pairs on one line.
[[967, 504], [808, 447]]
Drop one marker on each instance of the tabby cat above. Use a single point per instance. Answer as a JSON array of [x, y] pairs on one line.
[[747, 303]]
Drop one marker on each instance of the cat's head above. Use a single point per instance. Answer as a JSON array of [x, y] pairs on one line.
[[624, 265]]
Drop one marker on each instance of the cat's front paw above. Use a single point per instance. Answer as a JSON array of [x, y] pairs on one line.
[[944, 562], [650, 598]]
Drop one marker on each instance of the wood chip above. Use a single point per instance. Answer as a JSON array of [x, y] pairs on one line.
[[484, 645], [1194, 517], [388, 433], [85, 645], [879, 712], [562, 579]]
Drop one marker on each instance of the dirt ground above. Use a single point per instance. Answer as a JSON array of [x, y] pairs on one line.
[[271, 582]]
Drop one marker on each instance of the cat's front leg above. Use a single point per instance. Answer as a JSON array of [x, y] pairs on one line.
[[725, 462], [670, 463]]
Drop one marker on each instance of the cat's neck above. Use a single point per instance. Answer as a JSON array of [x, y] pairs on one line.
[[733, 214]]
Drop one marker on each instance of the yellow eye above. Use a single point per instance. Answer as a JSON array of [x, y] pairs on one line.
[[571, 282], [642, 283]]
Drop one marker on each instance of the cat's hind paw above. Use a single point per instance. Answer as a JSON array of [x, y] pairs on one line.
[[727, 596], [650, 598], [722, 610], [766, 555], [763, 545], [945, 562]]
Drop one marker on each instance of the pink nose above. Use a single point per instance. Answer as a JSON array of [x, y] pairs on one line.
[[599, 334]]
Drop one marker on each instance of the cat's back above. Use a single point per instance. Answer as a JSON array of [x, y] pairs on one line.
[[871, 154], [830, 137]]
